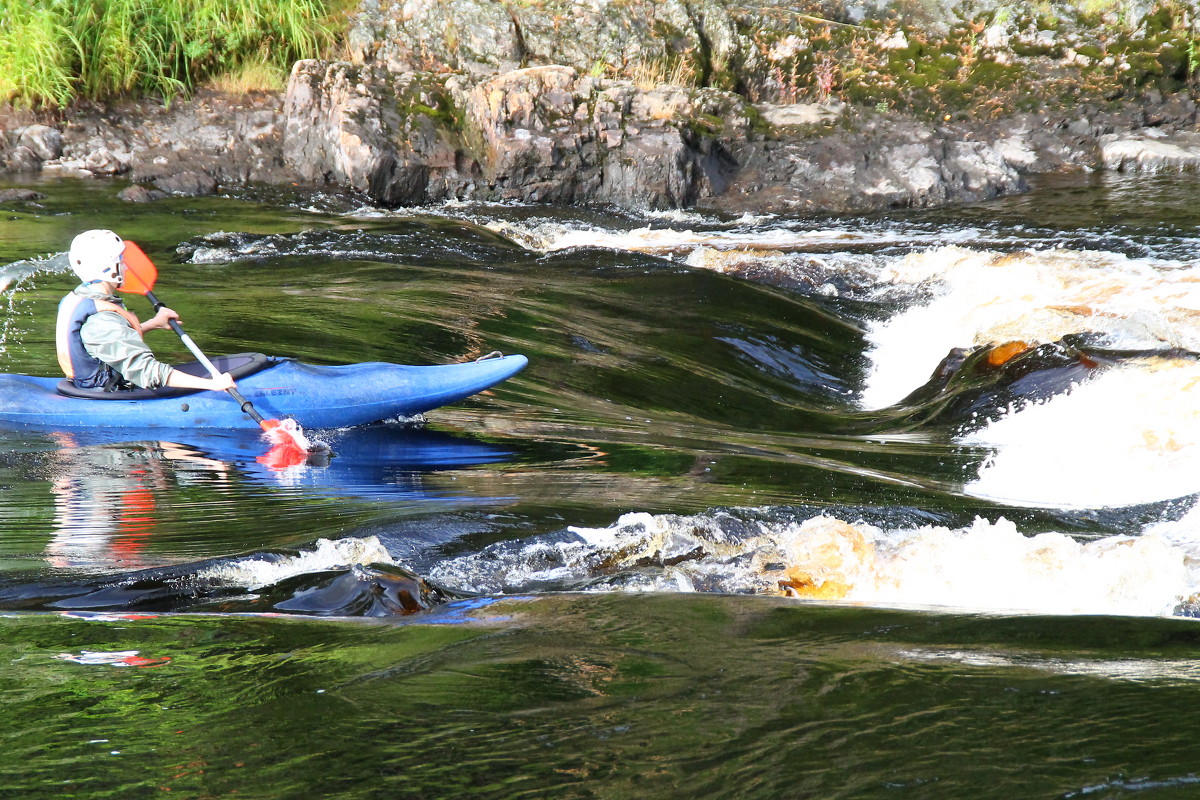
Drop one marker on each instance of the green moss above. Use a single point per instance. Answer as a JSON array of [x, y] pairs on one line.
[[1165, 62], [1036, 50], [426, 96], [875, 96], [672, 37], [758, 123], [724, 79], [1160, 20], [989, 74], [930, 72], [1174, 62]]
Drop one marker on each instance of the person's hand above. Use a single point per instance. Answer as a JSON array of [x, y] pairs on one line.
[[222, 382], [161, 320]]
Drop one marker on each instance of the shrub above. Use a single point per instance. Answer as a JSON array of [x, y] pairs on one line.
[[55, 51]]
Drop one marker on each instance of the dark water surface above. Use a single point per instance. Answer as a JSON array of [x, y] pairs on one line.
[[895, 506]]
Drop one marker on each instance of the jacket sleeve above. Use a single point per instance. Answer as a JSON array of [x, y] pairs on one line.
[[109, 337]]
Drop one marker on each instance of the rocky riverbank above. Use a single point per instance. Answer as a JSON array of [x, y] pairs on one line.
[[552, 103]]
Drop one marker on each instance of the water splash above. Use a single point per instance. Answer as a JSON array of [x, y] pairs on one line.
[[985, 566], [14, 279], [1127, 436], [978, 298], [10, 330], [326, 554]]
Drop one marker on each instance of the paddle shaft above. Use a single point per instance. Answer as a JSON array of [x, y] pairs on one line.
[[246, 405]]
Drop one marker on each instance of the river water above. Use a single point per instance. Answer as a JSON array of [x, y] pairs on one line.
[[896, 506]]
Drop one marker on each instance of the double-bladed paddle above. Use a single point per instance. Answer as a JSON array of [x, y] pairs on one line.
[[140, 277]]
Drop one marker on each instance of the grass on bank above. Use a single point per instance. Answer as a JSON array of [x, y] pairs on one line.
[[53, 52]]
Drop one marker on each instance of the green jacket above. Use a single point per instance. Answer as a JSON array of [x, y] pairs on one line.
[[109, 337]]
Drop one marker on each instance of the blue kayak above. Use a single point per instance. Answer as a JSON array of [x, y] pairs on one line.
[[315, 396]]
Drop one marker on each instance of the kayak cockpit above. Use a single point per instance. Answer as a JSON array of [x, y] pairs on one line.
[[239, 365]]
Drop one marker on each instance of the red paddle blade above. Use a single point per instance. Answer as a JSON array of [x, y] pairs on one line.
[[282, 456], [286, 432], [140, 272], [289, 445]]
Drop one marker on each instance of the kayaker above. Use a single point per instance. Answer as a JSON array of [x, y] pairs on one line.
[[99, 340]]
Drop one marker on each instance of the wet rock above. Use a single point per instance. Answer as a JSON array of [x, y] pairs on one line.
[[187, 184], [470, 99], [44, 141], [20, 195], [331, 131], [549, 134], [22, 159], [103, 162], [878, 163], [541, 134], [360, 591], [141, 194], [1151, 150], [233, 138]]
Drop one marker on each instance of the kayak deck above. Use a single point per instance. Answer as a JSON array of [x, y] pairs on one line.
[[315, 396]]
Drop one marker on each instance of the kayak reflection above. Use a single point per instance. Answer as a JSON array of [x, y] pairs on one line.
[[105, 505], [110, 494]]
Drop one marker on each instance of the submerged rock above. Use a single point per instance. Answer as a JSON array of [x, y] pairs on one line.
[[20, 196], [361, 591], [140, 194], [346, 577]]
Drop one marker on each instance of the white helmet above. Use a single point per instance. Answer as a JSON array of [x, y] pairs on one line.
[[96, 256]]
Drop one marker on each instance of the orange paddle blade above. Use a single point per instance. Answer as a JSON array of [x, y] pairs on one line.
[[285, 432], [282, 456], [140, 272], [289, 445]]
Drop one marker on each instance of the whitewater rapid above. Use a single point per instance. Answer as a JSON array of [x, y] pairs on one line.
[[1126, 435], [985, 566]]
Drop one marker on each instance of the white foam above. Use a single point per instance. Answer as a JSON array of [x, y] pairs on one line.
[[993, 567], [549, 236], [1130, 435], [1177, 671], [981, 298], [989, 567], [327, 554]]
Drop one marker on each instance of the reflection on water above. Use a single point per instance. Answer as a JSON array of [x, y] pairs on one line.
[[739, 442], [105, 498], [118, 505], [574, 695]]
